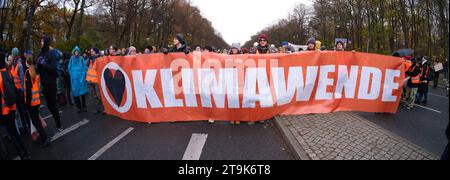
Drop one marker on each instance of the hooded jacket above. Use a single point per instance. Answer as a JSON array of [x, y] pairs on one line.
[[47, 64], [183, 48], [77, 71]]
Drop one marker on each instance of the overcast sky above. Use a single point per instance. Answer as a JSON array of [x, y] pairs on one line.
[[238, 20]]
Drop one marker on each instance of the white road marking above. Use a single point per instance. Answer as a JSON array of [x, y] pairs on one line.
[[427, 108], [66, 131], [110, 144], [70, 129], [438, 95], [49, 116], [195, 147]]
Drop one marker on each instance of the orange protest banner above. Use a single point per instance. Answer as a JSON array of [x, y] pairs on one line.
[[208, 86]]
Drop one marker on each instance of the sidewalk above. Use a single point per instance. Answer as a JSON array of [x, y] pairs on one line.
[[345, 136]]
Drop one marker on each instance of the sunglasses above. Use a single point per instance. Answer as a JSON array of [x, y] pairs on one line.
[[262, 40]]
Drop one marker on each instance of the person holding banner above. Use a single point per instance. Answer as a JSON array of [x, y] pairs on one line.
[[112, 50], [132, 51], [77, 71], [198, 48], [208, 49], [413, 83], [148, 50], [408, 61], [340, 46], [311, 44], [263, 45], [179, 45], [235, 49], [33, 101]]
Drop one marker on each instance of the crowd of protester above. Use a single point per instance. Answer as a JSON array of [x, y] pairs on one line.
[[61, 78]]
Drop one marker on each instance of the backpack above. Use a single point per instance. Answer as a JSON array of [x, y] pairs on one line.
[[54, 52], [59, 69], [9, 94]]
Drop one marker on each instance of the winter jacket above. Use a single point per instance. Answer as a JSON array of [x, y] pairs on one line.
[[262, 50], [47, 67], [412, 72], [426, 69], [183, 48]]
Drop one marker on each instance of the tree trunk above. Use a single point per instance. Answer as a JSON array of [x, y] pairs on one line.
[[80, 22], [443, 19]]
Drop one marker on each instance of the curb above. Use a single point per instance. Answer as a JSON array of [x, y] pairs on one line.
[[294, 146]]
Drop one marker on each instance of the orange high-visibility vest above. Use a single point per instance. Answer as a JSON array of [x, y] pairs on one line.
[[91, 75], [408, 64], [35, 95], [15, 74], [416, 79], [5, 109]]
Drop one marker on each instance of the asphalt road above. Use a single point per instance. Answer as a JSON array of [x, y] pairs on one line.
[[424, 125], [99, 136], [103, 137]]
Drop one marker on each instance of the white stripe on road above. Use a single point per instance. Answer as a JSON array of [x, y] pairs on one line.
[[68, 130], [427, 108], [195, 147], [110, 144], [49, 116], [438, 95]]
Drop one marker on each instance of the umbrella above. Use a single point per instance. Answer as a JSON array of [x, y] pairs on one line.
[[404, 52]]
